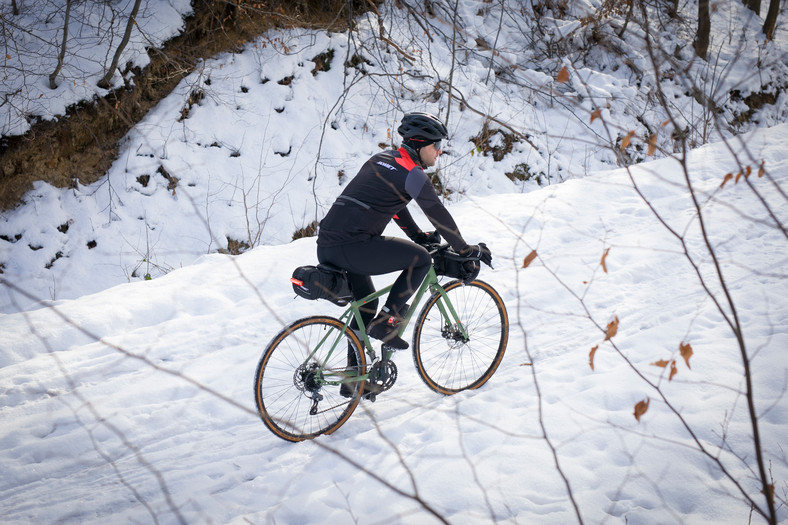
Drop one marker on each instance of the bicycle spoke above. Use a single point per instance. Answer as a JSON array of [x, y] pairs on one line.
[[292, 383], [445, 359]]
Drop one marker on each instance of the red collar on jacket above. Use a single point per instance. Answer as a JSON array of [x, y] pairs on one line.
[[405, 159]]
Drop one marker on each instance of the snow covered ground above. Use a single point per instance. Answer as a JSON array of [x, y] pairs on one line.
[[128, 400], [134, 404]]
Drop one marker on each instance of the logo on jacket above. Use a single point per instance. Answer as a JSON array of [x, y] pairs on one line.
[[385, 165]]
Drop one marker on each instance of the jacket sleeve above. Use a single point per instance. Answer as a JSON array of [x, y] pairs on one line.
[[405, 221], [420, 189]]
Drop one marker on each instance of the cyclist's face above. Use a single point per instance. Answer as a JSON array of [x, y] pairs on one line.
[[429, 155]]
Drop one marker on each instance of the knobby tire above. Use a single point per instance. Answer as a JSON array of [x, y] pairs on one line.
[[444, 360], [286, 380]]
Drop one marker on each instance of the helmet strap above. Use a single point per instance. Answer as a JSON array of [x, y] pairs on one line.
[[415, 153]]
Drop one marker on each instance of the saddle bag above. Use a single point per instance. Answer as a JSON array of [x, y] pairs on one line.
[[322, 282]]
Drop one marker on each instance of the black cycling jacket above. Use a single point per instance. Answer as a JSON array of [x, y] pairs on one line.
[[381, 191]]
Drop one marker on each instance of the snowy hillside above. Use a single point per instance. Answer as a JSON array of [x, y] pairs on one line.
[[134, 404], [253, 147]]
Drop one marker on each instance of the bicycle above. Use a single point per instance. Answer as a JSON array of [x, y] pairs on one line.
[[306, 385]]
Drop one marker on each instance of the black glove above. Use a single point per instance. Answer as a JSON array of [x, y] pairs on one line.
[[427, 238], [470, 270], [479, 252]]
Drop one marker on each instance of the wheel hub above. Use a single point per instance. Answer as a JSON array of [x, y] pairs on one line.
[[453, 333], [305, 378]]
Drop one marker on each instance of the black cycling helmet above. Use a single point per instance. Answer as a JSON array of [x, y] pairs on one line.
[[422, 126]]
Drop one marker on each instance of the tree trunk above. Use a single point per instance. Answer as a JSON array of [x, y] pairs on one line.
[[62, 55], [704, 27], [771, 19], [104, 83], [754, 5]]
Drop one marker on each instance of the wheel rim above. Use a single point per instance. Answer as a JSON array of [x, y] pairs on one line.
[[292, 396], [447, 362]]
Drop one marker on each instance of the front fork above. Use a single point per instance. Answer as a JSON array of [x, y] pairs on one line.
[[452, 329]]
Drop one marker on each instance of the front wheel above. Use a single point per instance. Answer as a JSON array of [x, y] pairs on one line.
[[305, 384], [451, 356]]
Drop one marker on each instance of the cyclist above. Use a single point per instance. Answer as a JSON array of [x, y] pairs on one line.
[[350, 236]]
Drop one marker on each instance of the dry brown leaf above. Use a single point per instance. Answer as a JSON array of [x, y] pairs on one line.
[[612, 329], [686, 353], [738, 176], [728, 176], [662, 363], [748, 171], [597, 113], [626, 140], [563, 75], [761, 169], [529, 258], [602, 262], [652, 145], [770, 489], [641, 408], [673, 370], [591, 355]]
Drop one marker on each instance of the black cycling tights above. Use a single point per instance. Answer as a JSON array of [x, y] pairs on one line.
[[377, 256]]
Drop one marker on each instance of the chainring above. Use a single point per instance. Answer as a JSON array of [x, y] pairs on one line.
[[383, 375]]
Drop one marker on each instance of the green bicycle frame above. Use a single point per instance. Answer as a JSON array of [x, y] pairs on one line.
[[354, 312]]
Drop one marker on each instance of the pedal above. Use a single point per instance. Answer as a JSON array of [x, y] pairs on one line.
[[371, 391]]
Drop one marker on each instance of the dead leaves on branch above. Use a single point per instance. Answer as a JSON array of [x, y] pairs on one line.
[[664, 363], [685, 350], [624, 141], [612, 329], [641, 408], [746, 172], [627, 140], [610, 333], [563, 76], [591, 356], [652, 145], [604, 259], [530, 258]]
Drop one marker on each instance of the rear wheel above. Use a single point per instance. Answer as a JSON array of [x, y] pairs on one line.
[[450, 360], [298, 379]]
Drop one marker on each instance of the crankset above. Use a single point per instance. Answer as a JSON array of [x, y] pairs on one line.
[[382, 375]]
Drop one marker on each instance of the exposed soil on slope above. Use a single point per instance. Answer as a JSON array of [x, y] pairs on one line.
[[82, 145]]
